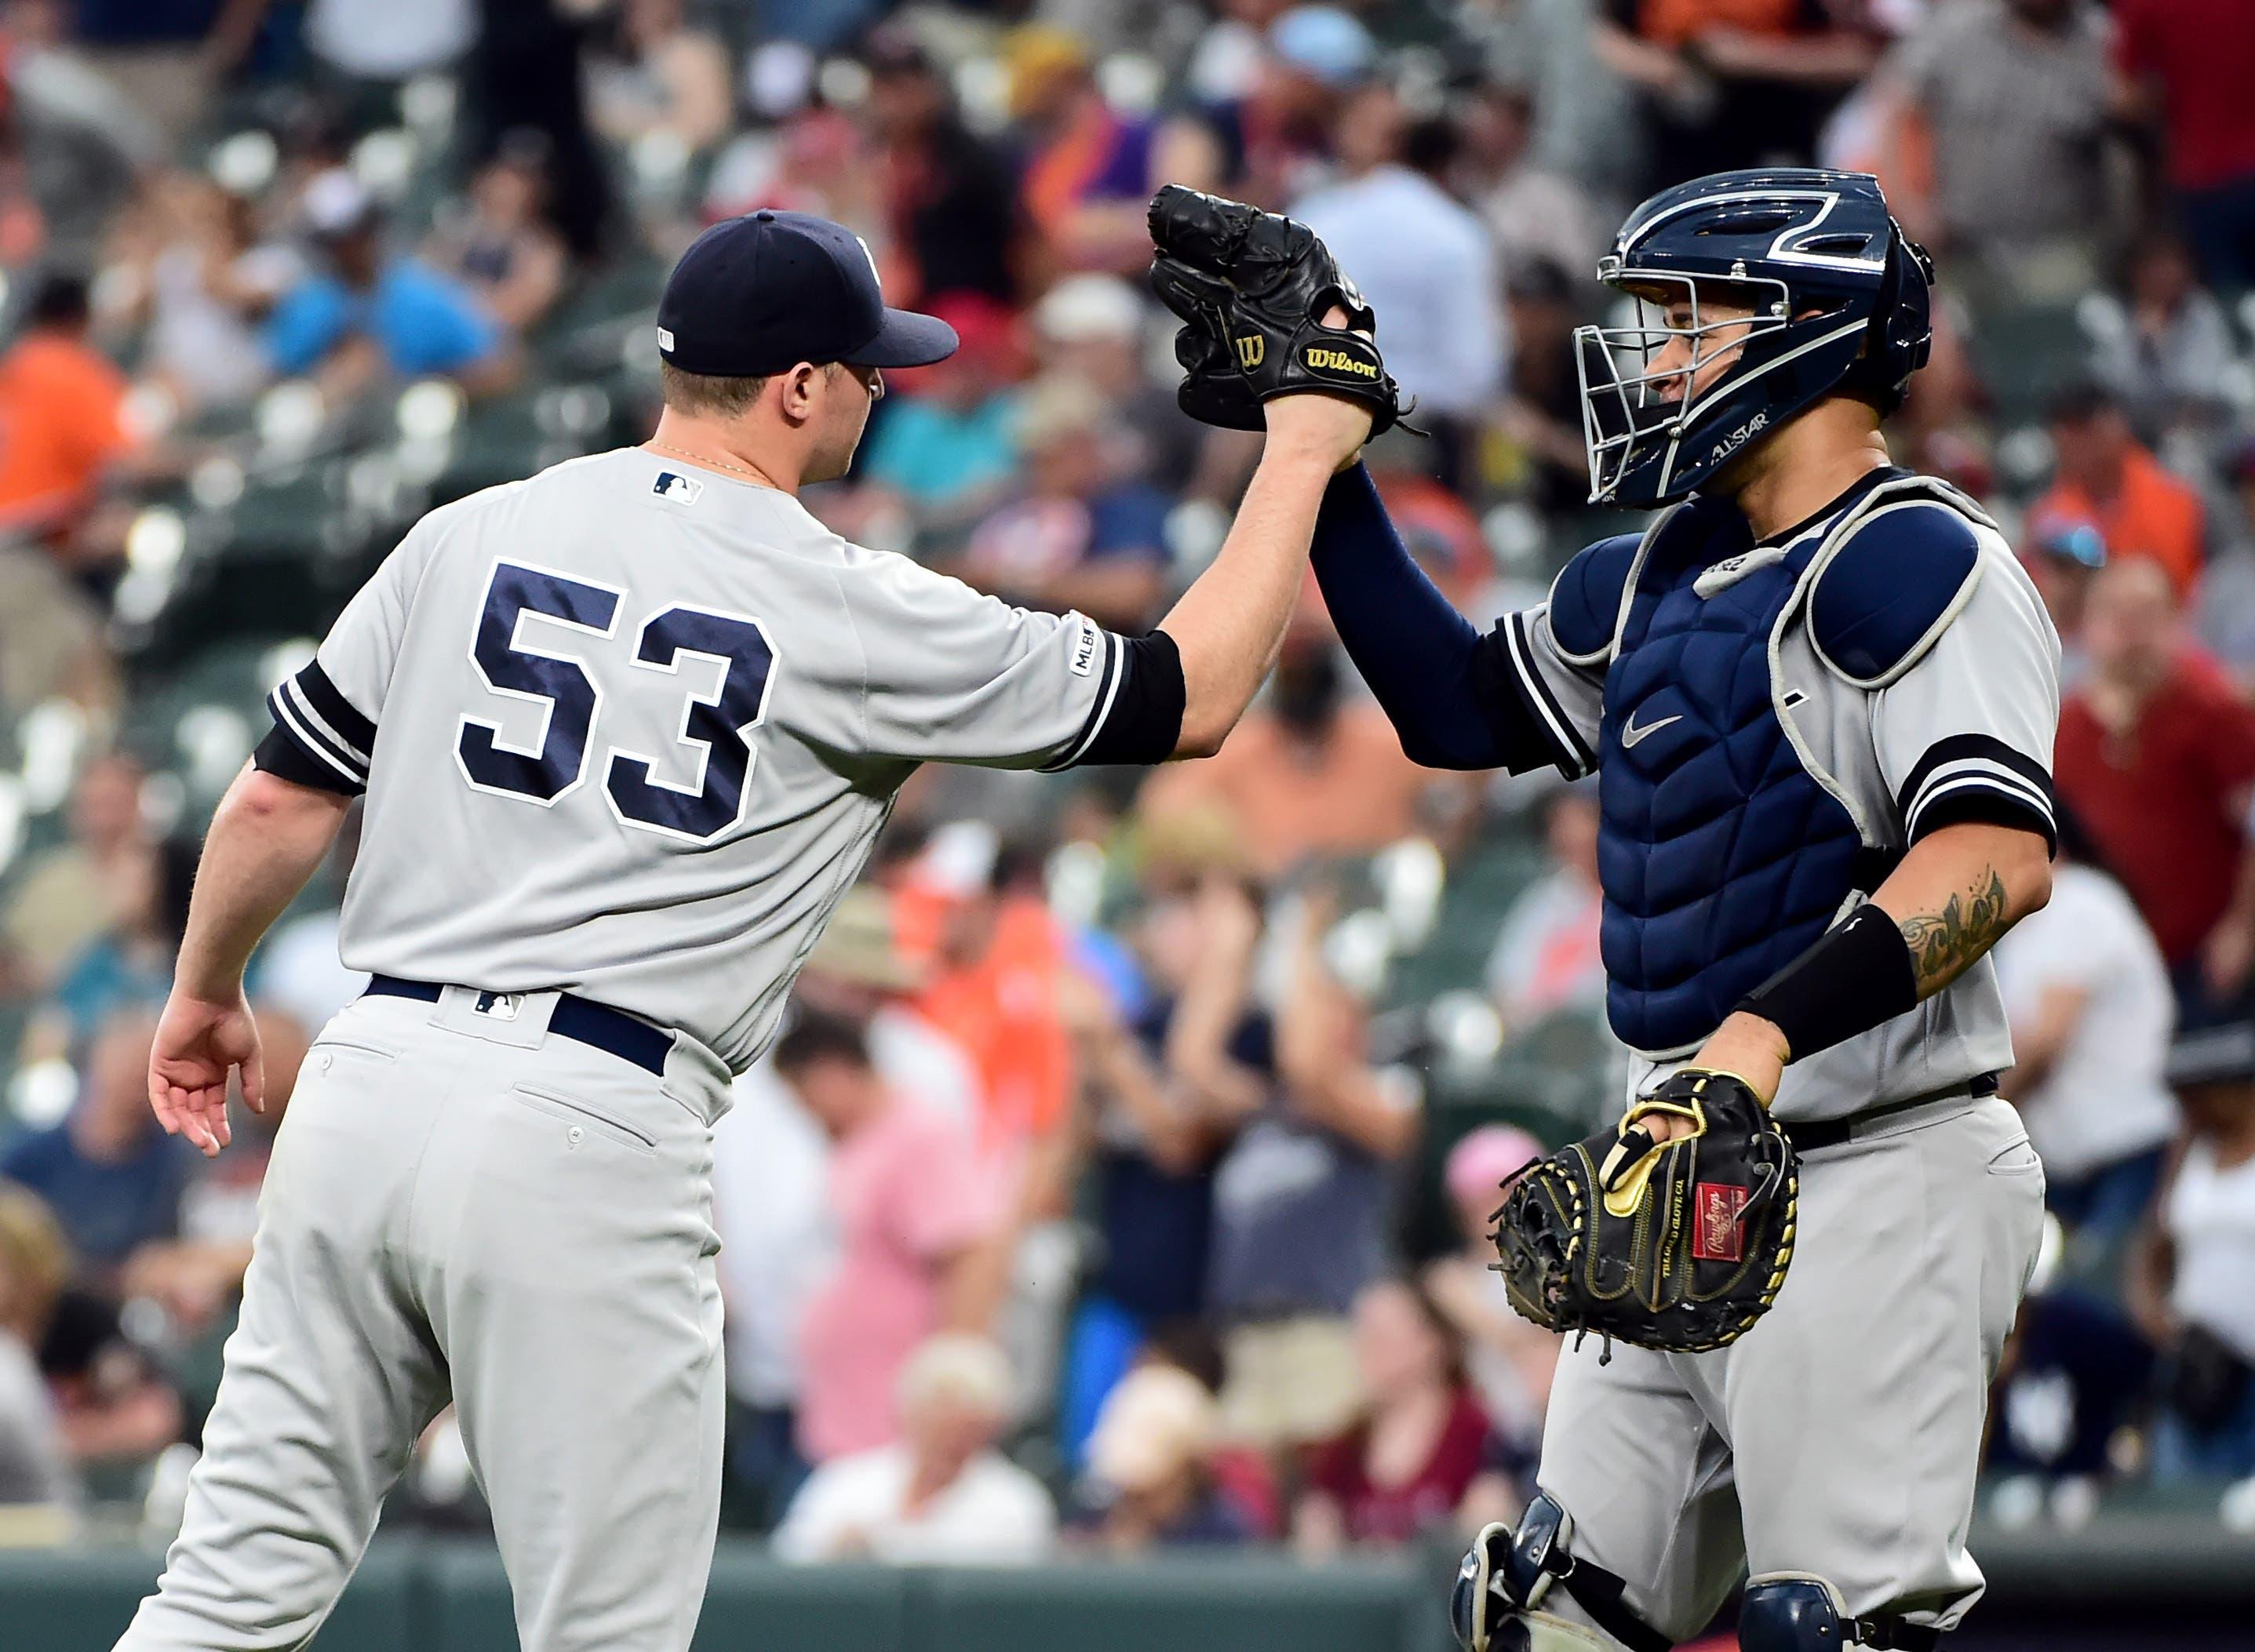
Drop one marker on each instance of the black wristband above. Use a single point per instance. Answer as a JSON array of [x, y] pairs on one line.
[[1856, 975]]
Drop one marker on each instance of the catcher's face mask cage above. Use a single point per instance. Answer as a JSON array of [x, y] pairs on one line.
[[1646, 384]]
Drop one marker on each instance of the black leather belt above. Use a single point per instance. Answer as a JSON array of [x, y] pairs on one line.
[[1831, 1133], [577, 1019]]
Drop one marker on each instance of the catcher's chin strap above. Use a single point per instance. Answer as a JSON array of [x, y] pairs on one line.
[[1538, 1559]]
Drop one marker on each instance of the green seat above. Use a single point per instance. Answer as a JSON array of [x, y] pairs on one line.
[[1482, 885], [2027, 355]]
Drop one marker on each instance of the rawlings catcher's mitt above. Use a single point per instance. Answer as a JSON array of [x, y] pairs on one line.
[[1252, 289], [1680, 1247]]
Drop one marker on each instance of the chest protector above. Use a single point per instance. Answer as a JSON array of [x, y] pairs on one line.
[[1723, 854]]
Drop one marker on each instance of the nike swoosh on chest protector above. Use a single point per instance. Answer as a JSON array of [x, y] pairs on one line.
[[1631, 734]]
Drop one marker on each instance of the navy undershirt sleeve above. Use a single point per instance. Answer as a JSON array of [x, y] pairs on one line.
[[1435, 675]]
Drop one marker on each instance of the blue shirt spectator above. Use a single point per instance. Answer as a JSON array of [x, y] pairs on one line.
[[1081, 537], [423, 322], [112, 1177], [936, 452], [418, 321]]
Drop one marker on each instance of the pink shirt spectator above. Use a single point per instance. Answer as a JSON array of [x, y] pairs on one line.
[[908, 1194]]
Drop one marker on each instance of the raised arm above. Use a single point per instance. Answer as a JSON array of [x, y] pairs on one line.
[[1457, 698], [1408, 640], [1228, 626], [942, 672]]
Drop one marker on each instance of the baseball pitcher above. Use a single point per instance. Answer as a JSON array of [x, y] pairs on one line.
[[627, 730]]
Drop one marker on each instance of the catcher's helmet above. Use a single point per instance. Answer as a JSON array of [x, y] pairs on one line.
[[1839, 298]]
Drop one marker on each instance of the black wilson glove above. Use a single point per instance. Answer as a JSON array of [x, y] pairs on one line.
[[1252, 288]]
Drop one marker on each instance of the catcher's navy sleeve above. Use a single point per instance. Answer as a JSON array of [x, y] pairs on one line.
[[1458, 699]]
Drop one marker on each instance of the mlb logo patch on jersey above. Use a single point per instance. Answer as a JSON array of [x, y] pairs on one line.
[[673, 485], [1083, 645], [1717, 1235]]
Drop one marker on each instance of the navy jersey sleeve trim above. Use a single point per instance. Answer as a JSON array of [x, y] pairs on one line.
[[323, 723], [1099, 709], [311, 736], [1532, 729], [1138, 717], [283, 755], [325, 701], [1976, 777]]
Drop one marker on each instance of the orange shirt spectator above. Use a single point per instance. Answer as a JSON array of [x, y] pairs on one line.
[[1677, 22], [1302, 776], [2107, 477], [1002, 1008], [995, 958], [61, 405]]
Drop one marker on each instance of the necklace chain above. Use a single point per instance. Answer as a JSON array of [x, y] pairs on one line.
[[707, 458]]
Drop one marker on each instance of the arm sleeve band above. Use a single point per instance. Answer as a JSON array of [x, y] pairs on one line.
[[1145, 722], [1434, 674], [1856, 975], [282, 754]]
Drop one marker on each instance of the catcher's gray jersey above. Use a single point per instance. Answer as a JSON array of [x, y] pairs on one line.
[[629, 727], [1968, 714]]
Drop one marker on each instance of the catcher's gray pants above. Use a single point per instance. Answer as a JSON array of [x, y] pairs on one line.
[[1839, 1437], [462, 1207]]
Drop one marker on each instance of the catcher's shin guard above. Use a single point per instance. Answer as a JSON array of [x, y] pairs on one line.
[[1506, 1575], [1790, 1611]]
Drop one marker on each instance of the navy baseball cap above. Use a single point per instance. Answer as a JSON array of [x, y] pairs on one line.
[[754, 295]]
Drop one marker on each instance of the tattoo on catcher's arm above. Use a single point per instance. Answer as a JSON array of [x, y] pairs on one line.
[[1943, 943]]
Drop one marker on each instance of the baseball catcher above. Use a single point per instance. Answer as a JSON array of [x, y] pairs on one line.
[[1819, 696]]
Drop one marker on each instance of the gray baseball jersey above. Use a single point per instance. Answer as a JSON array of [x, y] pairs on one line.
[[629, 728], [1971, 715], [1914, 675]]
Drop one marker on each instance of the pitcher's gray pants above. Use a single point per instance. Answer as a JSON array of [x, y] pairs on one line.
[[464, 1207]]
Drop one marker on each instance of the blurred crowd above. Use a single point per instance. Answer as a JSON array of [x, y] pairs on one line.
[[1122, 1179]]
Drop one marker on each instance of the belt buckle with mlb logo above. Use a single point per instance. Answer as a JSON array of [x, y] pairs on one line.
[[498, 1006]]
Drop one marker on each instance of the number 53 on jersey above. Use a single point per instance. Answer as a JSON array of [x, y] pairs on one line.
[[716, 728]]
